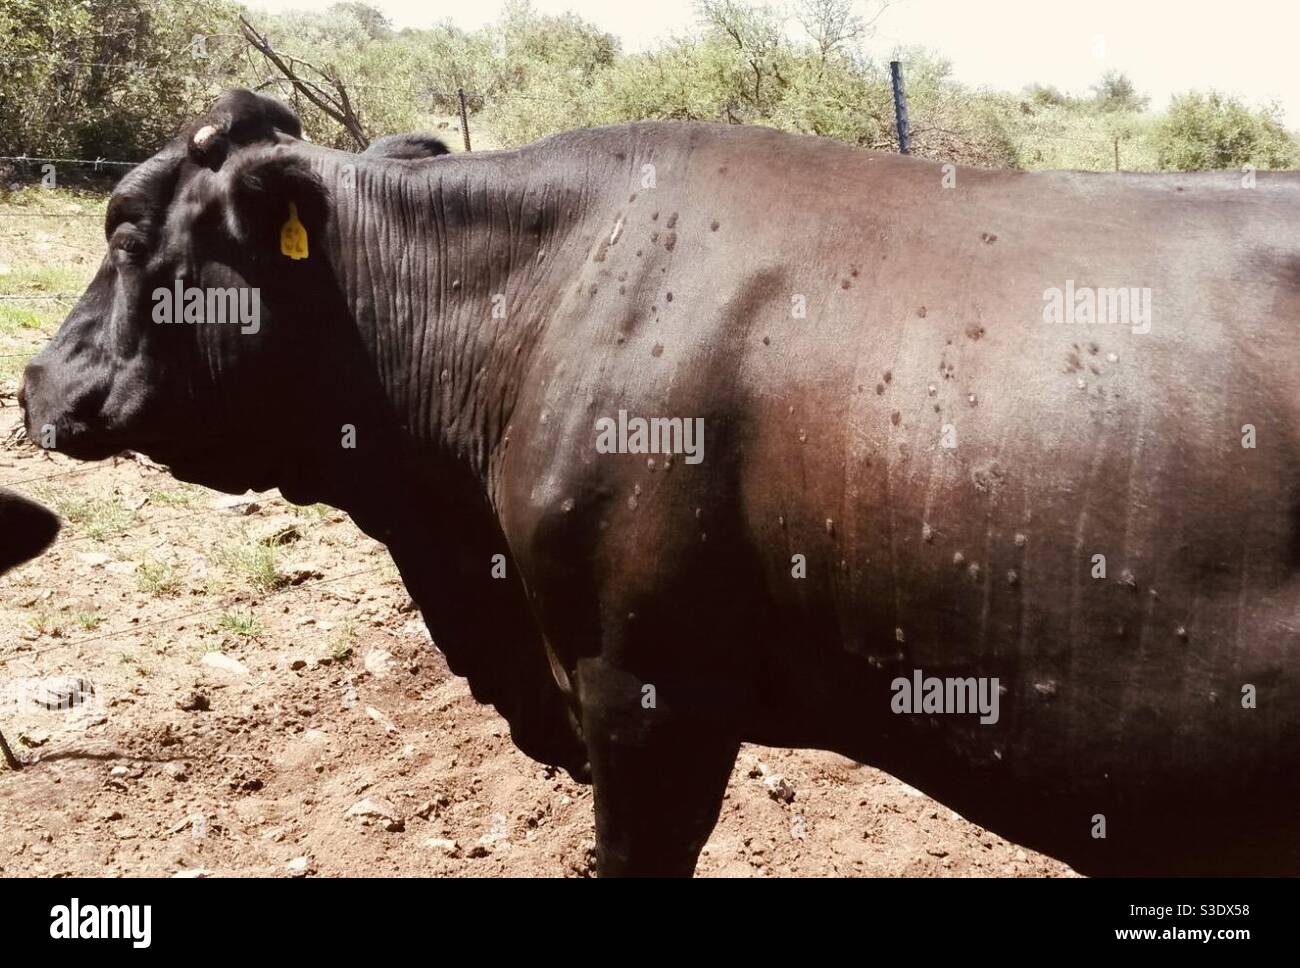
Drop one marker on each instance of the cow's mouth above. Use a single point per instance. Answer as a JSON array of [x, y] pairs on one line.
[[75, 440]]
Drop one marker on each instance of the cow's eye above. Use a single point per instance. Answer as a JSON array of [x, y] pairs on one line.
[[128, 244]]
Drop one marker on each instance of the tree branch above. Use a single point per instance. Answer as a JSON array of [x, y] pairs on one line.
[[337, 105]]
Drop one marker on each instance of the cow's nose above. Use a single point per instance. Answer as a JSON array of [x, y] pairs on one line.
[[28, 388], [31, 376]]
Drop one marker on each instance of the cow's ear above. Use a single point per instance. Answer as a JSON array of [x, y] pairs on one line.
[[276, 205], [237, 119]]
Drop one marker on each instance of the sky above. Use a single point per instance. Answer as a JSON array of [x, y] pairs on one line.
[[1165, 46]]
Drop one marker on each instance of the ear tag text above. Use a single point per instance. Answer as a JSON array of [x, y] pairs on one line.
[[293, 236]]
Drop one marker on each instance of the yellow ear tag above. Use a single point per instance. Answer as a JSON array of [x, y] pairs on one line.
[[293, 236]]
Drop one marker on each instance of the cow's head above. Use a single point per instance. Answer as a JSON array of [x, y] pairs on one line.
[[229, 208], [26, 529]]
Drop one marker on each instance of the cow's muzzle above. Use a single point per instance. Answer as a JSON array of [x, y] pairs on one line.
[[65, 414]]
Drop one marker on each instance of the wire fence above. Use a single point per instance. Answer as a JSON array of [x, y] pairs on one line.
[[477, 100], [70, 161], [40, 295]]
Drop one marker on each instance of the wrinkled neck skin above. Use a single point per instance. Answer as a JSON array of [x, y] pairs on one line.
[[436, 289], [449, 271]]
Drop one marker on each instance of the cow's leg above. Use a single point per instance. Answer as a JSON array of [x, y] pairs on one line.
[[659, 769]]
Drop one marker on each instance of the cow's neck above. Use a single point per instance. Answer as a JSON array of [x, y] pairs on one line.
[[452, 269]]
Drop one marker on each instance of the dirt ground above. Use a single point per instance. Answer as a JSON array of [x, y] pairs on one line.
[[267, 702]]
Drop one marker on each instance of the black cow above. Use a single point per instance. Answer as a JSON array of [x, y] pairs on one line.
[[26, 529], [683, 436]]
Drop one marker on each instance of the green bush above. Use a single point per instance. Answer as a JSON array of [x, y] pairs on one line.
[[1213, 131], [108, 78]]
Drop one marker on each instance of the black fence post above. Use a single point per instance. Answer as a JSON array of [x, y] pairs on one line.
[[900, 108]]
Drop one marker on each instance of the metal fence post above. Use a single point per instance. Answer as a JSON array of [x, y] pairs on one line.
[[900, 108]]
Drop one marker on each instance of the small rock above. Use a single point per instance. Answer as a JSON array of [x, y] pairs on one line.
[[448, 847], [299, 866], [181, 824], [418, 630], [297, 664], [243, 504], [778, 789], [34, 738], [95, 559], [374, 808], [224, 663], [299, 572], [195, 702], [379, 663], [283, 536], [381, 719], [195, 873]]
